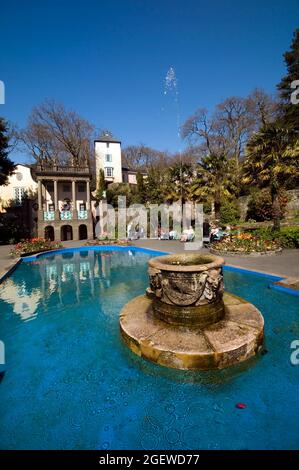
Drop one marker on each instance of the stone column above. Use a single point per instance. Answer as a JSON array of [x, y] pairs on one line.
[[55, 196], [56, 208], [57, 233], [88, 195], [40, 214], [74, 199], [39, 195]]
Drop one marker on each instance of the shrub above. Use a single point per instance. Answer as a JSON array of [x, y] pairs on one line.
[[260, 205], [229, 212], [288, 237]]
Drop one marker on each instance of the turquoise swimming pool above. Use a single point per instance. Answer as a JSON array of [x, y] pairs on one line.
[[70, 383]]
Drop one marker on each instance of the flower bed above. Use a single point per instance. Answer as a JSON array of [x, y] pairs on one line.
[[34, 245], [106, 241], [245, 244]]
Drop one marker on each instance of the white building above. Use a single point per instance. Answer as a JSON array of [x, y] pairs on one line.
[[108, 158], [19, 184]]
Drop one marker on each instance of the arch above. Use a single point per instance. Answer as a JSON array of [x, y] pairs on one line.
[[82, 232], [66, 233], [49, 233]]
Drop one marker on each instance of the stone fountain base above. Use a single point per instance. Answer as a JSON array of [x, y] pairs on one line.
[[235, 338]]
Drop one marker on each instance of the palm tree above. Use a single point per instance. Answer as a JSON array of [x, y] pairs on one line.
[[214, 180], [272, 161], [179, 180]]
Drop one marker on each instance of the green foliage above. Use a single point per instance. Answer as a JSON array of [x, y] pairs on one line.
[[156, 186], [7, 167], [121, 189], [260, 207], [271, 161], [214, 180], [141, 190], [179, 178], [101, 185], [288, 237], [290, 112], [229, 212]]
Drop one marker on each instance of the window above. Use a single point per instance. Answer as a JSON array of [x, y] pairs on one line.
[[19, 194], [81, 187], [107, 145], [109, 172], [66, 188], [108, 157]]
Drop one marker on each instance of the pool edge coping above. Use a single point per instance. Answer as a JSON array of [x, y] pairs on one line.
[[6, 272]]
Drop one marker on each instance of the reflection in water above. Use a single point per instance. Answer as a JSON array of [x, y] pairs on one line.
[[23, 301], [84, 272]]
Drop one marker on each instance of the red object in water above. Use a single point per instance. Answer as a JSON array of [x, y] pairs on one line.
[[241, 406]]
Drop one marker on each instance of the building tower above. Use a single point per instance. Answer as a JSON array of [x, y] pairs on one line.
[[108, 158]]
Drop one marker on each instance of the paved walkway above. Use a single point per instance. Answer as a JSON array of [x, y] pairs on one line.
[[285, 264], [6, 261]]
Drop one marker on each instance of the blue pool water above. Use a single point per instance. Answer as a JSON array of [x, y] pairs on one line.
[[70, 383]]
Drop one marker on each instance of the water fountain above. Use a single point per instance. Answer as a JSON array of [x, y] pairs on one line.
[[186, 321]]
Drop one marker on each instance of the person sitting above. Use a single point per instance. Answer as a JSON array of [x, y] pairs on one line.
[[173, 235], [188, 235], [164, 235]]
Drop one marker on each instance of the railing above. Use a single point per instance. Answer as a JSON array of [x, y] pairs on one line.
[[66, 215], [63, 169], [49, 215], [82, 215]]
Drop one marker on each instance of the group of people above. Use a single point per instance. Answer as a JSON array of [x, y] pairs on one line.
[[211, 232]]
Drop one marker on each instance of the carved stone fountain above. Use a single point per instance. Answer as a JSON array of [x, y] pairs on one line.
[[186, 321]]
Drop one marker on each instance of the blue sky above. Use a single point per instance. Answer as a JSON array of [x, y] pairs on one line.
[[108, 59]]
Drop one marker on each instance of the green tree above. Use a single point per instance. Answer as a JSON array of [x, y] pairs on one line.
[[271, 162], [260, 204], [121, 189], [155, 185], [141, 191], [7, 167], [290, 111], [214, 181], [101, 186], [179, 182]]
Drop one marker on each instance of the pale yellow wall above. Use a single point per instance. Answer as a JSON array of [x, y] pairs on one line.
[[132, 178], [22, 179]]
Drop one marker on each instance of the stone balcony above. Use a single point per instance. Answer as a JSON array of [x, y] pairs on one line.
[[66, 215], [82, 215], [60, 170]]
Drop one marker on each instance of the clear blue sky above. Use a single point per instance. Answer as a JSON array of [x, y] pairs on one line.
[[108, 59]]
